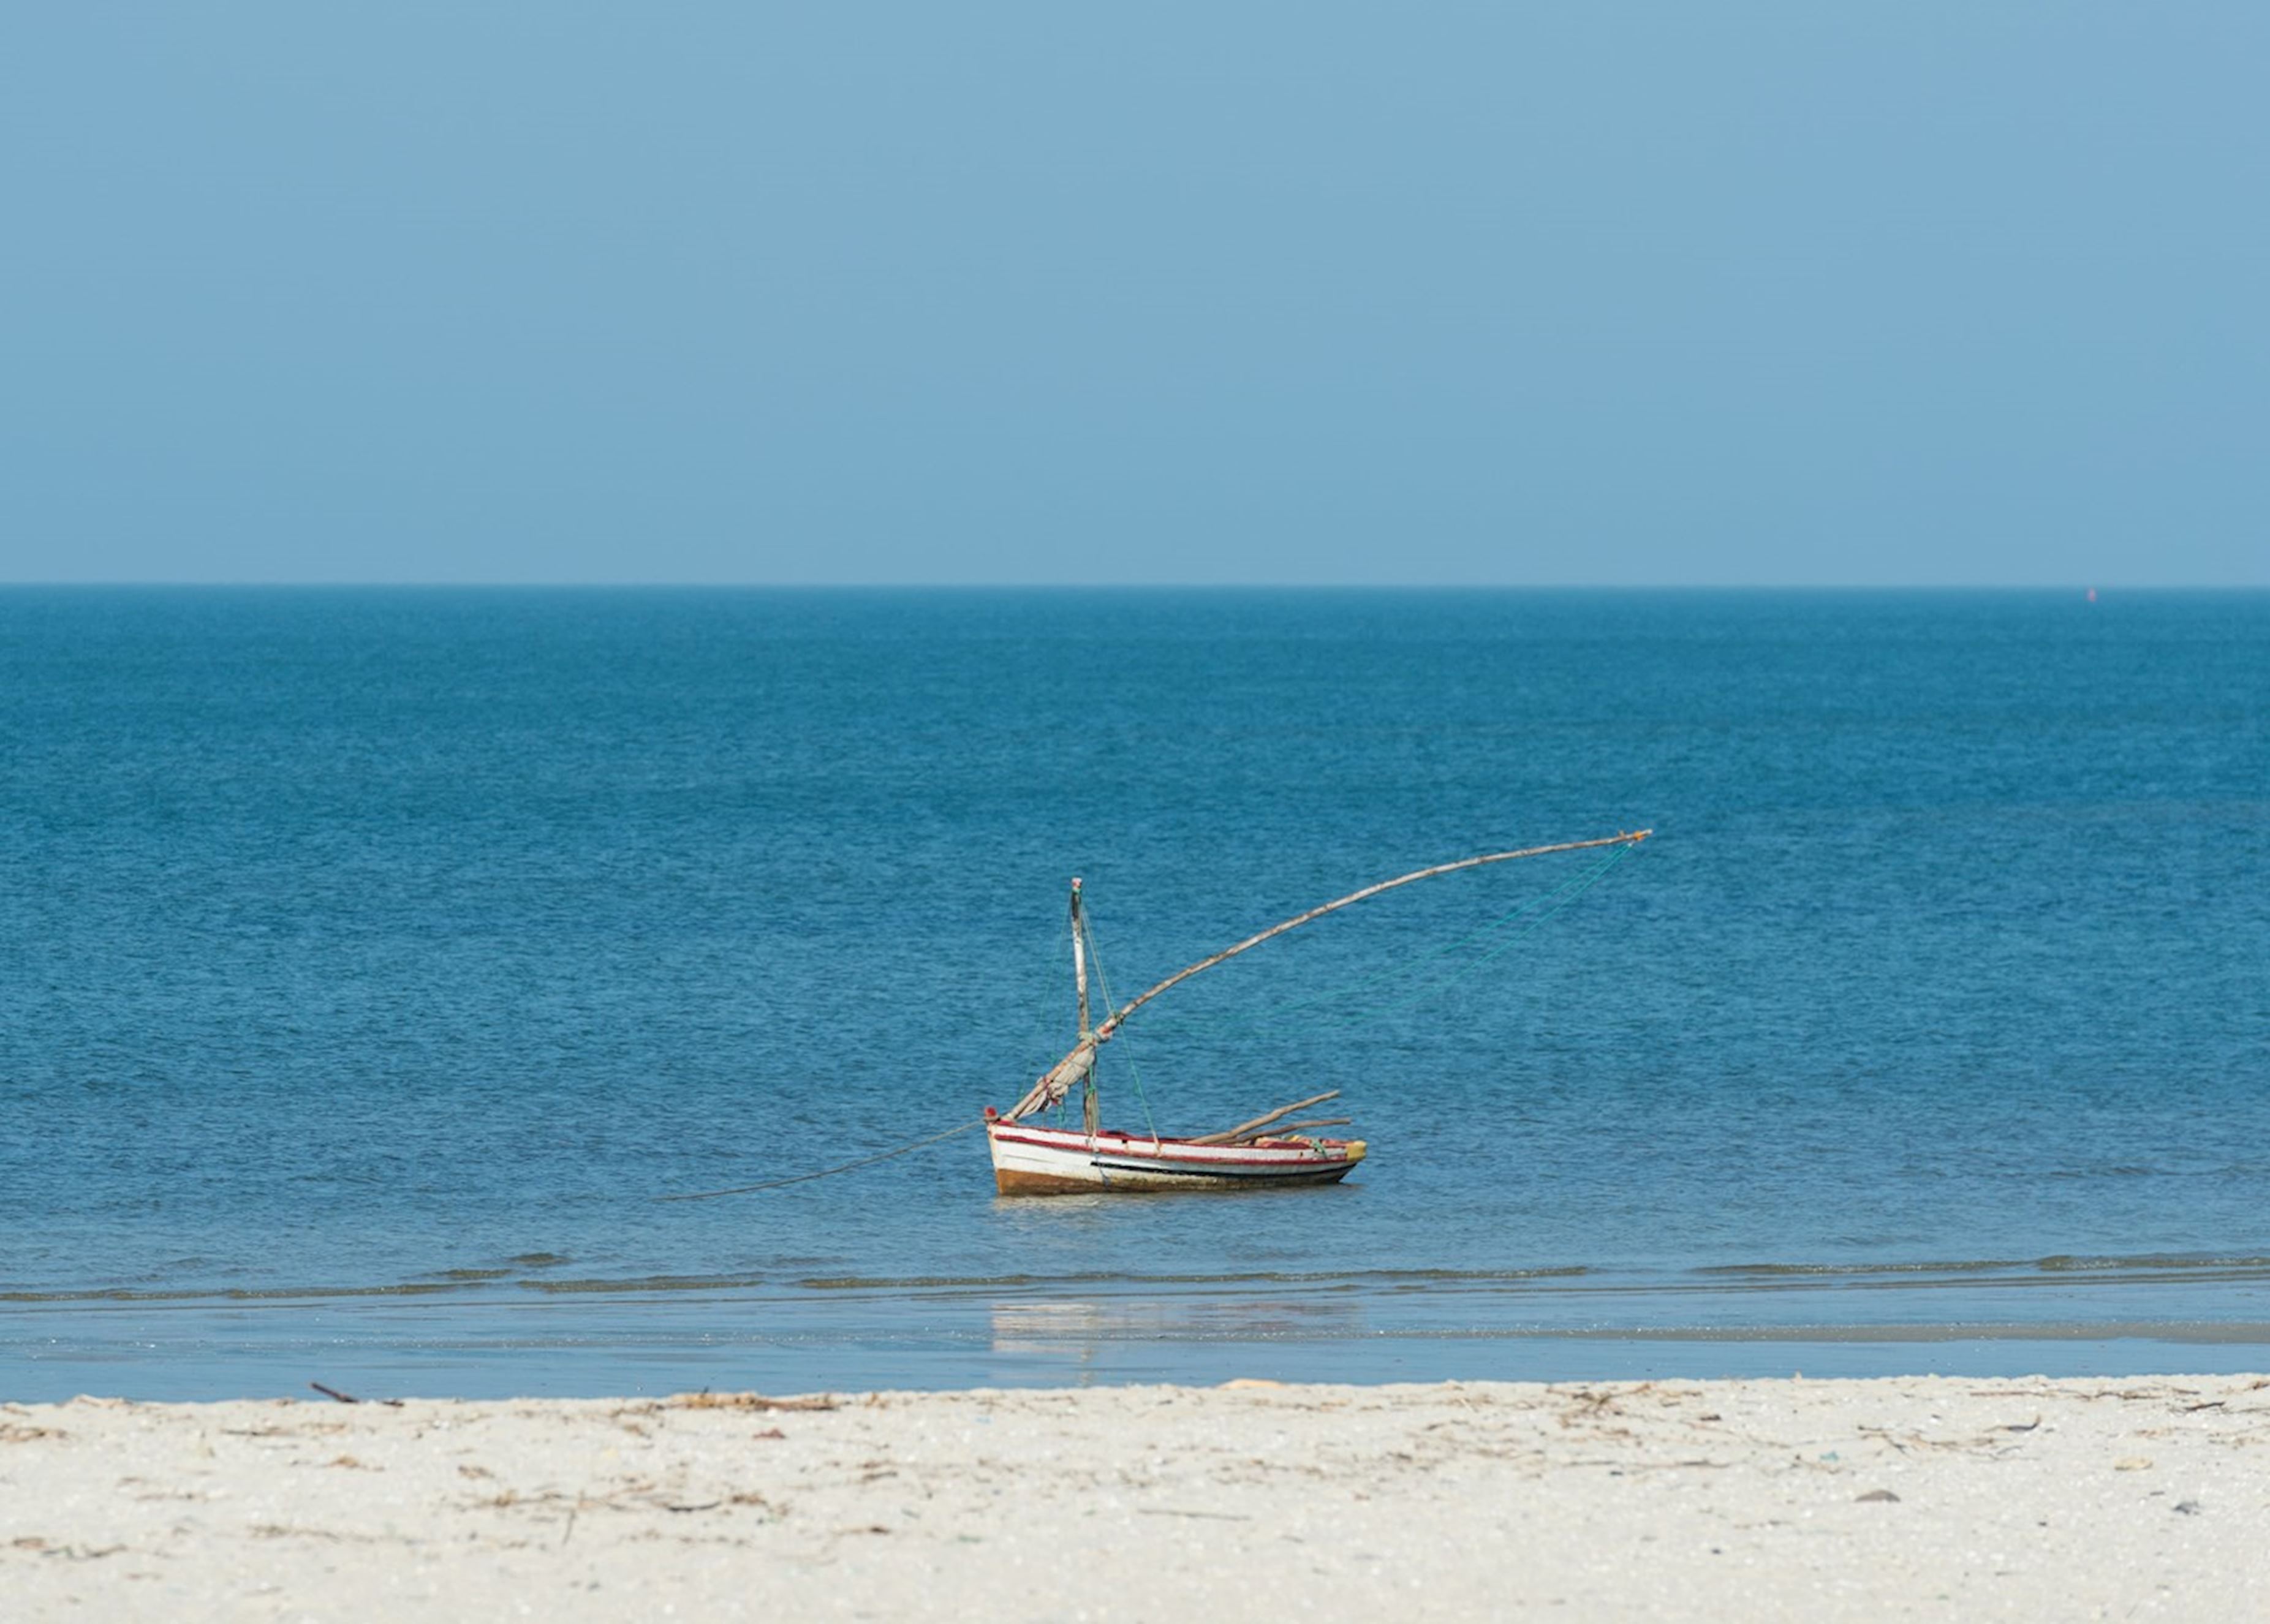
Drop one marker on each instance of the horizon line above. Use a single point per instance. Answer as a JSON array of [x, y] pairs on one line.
[[2076, 585]]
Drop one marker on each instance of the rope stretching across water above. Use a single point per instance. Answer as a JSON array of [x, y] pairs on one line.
[[848, 1166]]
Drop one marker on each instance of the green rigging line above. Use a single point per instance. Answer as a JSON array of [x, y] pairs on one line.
[[1104, 982]]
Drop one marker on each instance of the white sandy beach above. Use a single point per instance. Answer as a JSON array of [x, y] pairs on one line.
[[1927, 1497]]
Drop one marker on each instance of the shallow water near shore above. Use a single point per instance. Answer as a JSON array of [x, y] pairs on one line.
[[372, 960]]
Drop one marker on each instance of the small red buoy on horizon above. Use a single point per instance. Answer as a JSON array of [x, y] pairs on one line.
[[2092, 594]]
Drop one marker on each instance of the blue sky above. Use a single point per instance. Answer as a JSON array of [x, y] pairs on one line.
[[1807, 292]]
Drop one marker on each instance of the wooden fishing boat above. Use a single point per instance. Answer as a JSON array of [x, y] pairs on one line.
[[1029, 1160], [1268, 1152]]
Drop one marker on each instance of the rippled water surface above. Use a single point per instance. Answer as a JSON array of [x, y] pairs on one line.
[[374, 959]]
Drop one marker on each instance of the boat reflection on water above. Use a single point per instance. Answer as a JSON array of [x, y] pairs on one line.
[[1085, 1333]]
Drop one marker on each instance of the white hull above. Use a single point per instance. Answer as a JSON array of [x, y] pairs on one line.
[[1029, 1160]]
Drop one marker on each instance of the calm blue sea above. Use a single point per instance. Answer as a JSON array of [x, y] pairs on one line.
[[371, 960]]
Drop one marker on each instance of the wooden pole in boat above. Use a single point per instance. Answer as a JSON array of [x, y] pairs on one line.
[[1057, 1077], [1228, 1134], [1286, 1128]]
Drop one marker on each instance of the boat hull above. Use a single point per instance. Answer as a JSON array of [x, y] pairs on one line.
[[1049, 1162]]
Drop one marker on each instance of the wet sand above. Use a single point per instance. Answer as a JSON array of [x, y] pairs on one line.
[[1925, 1497]]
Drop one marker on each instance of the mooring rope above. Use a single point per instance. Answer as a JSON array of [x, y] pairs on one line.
[[848, 1166]]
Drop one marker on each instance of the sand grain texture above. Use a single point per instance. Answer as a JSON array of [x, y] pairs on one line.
[[1925, 1498]]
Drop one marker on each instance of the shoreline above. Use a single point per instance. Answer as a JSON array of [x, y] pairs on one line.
[[1031, 1350], [1842, 1498], [493, 1340]]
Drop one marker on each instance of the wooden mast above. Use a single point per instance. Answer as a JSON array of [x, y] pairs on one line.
[[1089, 1108], [1081, 1063], [1079, 959]]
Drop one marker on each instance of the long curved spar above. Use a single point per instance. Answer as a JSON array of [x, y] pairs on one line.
[[1060, 1077]]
